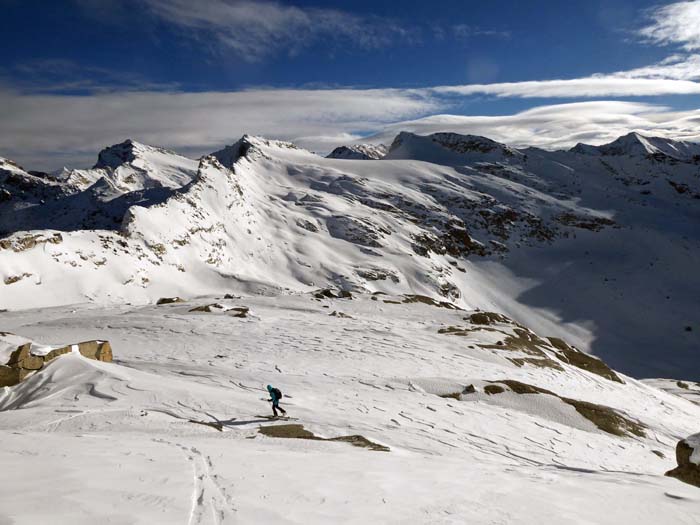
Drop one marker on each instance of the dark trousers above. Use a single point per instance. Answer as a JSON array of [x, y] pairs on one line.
[[276, 407]]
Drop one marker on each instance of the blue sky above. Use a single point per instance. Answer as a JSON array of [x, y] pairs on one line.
[[77, 75]]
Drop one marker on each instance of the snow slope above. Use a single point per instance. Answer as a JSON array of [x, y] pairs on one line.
[[600, 249], [117, 443]]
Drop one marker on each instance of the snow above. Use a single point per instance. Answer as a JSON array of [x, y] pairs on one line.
[[8, 344], [635, 144], [596, 246], [694, 443], [553, 236], [359, 152], [116, 440]]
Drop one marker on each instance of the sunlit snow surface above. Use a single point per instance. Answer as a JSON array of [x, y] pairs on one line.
[[100, 442]]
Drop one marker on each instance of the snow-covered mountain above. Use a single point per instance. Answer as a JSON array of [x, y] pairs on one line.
[[565, 242], [634, 145], [424, 314], [359, 152]]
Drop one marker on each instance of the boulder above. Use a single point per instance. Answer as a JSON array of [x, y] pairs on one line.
[[33, 362], [53, 354], [97, 350], [9, 376], [327, 293], [688, 459], [239, 311], [22, 362], [170, 300], [20, 354]]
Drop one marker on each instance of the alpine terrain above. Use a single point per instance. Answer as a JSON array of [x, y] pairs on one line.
[[462, 331]]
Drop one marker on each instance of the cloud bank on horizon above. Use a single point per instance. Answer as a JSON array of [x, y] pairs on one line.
[[50, 120]]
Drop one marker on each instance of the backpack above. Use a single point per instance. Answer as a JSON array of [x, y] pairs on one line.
[[277, 392]]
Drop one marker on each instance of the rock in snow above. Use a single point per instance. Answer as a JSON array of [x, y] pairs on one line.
[[688, 459], [21, 358]]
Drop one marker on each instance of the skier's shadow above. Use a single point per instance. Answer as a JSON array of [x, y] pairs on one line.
[[233, 422]]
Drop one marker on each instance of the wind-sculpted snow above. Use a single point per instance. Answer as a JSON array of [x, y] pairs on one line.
[[460, 429], [598, 249]]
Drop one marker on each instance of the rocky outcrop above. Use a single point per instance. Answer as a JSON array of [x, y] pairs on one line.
[[26, 359], [170, 300], [570, 355], [328, 293], [688, 459]]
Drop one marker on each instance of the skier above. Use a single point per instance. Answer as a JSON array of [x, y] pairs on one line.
[[275, 396]]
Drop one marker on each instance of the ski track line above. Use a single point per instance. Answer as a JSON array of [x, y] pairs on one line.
[[210, 502]]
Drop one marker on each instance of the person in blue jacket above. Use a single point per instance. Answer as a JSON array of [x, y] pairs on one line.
[[275, 396]]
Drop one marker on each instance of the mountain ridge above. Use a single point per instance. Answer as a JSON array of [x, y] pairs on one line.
[[536, 235]]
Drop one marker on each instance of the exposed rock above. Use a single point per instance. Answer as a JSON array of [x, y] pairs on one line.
[[33, 362], [53, 354], [335, 313], [207, 308], [20, 243], [377, 274], [544, 362], [328, 293], [416, 298], [299, 432], [23, 362], [594, 224], [170, 300], [11, 376], [239, 311], [307, 225], [12, 279], [358, 231], [358, 152], [493, 389], [20, 354], [488, 318], [688, 459], [574, 357], [605, 418]]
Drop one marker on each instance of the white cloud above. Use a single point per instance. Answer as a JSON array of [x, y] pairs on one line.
[[45, 131], [675, 67], [594, 86], [561, 126], [675, 24], [256, 29]]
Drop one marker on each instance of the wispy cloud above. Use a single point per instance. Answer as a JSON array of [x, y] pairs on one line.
[[561, 126], [674, 24], [588, 87], [67, 76], [466, 31], [46, 130], [675, 67], [257, 29]]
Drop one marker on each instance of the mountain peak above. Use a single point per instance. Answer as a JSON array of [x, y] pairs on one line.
[[359, 152], [118, 154], [439, 146], [635, 144]]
